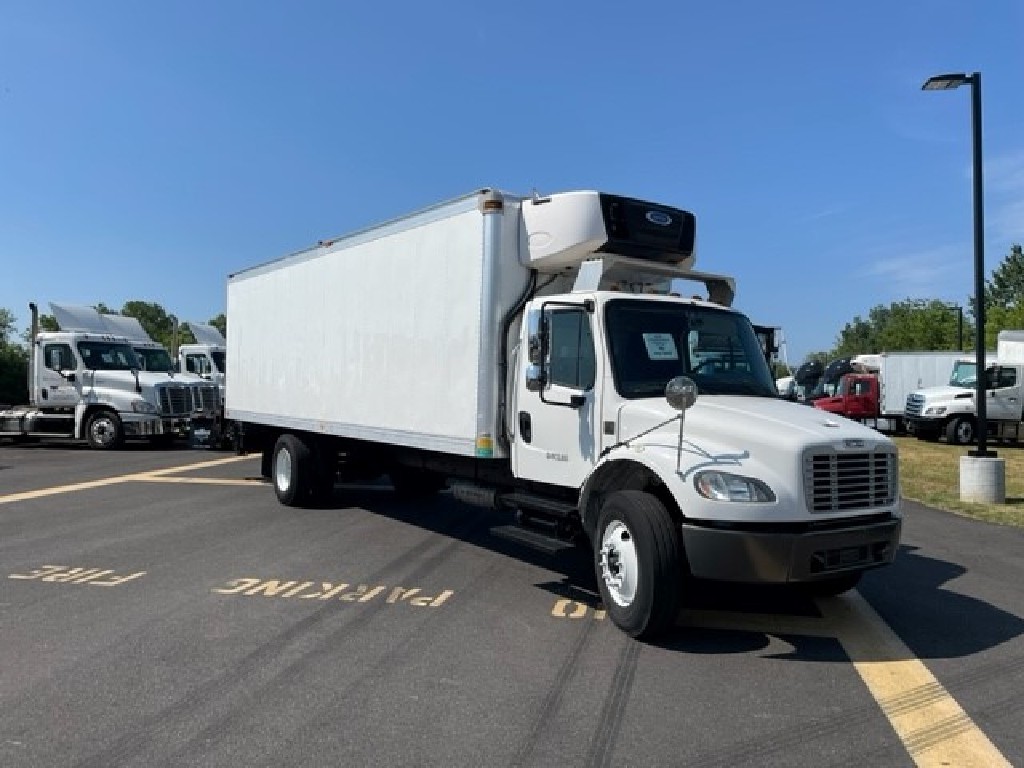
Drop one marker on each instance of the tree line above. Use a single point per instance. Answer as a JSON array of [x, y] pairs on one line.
[[931, 324], [157, 322]]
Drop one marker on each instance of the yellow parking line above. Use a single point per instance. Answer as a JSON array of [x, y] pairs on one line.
[[198, 480], [137, 476], [931, 724]]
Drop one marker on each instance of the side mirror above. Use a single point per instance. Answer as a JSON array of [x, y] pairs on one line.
[[534, 378], [681, 392]]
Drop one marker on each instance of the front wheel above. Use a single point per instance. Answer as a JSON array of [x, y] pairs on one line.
[[638, 558], [960, 431], [104, 430]]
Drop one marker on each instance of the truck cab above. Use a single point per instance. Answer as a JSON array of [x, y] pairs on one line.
[[856, 398], [207, 357], [950, 411]]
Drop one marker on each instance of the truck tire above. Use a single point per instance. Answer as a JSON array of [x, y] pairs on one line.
[[960, 431], [638, 559], [293, 470], [104, 431]]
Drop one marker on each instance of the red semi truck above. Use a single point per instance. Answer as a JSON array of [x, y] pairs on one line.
[[876, 392]]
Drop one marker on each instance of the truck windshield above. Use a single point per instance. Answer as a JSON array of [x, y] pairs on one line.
[[107, 356], [154, 360], [964, 375], [652, 342], [219, 360]]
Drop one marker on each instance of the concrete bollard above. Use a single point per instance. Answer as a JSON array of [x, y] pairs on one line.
[[983, 479]]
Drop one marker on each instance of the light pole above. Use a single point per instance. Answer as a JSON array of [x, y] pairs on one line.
[[946, 83]]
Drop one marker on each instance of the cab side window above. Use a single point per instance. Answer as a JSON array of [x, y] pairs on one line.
[[1007, 377], [573, 363], [59, 357]]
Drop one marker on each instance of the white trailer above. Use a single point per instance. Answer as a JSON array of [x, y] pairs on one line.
[[531, 352]]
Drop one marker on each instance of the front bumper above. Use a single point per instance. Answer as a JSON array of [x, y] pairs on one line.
[[143, 425], [779, 557], [924, 424]]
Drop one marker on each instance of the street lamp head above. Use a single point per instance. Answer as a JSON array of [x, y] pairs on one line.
[[946, 82]]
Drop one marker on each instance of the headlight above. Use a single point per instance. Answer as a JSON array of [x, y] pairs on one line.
[[936, 410], [723, 486], [141, 406]]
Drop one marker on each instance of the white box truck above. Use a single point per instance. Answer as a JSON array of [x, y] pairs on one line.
[[951, 410], [538, 354]]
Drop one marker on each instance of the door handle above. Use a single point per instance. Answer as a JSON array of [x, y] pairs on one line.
[[525, 426]]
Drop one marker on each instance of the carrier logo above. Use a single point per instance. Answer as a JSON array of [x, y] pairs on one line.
[[853, 443], [660, 218]]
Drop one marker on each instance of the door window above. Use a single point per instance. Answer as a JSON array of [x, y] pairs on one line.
[[59, 357], [572, 357]]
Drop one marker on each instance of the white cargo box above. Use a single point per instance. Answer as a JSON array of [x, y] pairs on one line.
[[389, 334]]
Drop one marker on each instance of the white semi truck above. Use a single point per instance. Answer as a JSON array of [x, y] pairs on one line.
[[530, 353], [951, 410], [207, 356], [88, 384]]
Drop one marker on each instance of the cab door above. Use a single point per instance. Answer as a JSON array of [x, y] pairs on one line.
[[57, 379], [555, 425], [1004, 396]]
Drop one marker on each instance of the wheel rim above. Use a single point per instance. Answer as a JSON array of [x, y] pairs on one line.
[[283, 470], [964, 432], [103, 430], [620, 568]]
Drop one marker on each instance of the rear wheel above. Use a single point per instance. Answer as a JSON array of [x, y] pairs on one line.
[[104, 430], [638, 558], [960, 431], [292, 470]]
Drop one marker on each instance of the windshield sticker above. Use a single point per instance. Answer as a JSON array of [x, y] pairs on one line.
[[661, 346]]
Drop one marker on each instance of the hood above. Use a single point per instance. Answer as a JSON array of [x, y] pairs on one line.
[[736, 422], [944, 393]]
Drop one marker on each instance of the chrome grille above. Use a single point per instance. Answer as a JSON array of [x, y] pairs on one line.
[[175, 400], [836, 482], [205, 397], [915, 404]]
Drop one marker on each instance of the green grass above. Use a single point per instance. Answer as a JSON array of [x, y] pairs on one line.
[[930, 474]]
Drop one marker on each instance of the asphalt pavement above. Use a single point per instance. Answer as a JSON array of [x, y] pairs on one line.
[[161, 608]]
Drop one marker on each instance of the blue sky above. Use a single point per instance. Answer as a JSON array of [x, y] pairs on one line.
[[147, 150]]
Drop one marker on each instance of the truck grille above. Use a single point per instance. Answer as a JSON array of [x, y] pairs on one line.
[[915, 404], [175, 400], [205, 397], [836, 482]]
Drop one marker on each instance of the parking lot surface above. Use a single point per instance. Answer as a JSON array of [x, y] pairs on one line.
[[161, 608]]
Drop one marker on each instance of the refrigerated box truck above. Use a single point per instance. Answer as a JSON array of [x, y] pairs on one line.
[[540, 354]]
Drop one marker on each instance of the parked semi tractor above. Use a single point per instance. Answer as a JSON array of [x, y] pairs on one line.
[[876, 393], [207, 356], [950, 411], [89, 385], [531, 353]]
